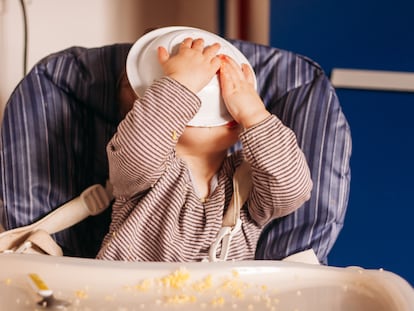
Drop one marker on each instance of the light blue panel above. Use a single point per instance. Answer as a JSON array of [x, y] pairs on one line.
[[379, 227]]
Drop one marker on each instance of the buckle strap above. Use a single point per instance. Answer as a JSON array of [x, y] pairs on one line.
[[224, 237]]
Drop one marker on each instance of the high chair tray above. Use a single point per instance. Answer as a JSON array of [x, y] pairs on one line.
[[90, 284]]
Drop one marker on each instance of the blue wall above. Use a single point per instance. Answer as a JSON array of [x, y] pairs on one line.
[[379, 226]]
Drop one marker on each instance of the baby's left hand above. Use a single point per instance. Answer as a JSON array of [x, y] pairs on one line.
[[240, 97]]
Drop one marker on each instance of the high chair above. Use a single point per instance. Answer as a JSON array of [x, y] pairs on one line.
[[60, 117]]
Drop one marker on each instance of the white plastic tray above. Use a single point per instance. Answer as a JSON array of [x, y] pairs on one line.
[[252, 285]]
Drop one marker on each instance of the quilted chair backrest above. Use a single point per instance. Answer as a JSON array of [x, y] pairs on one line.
[[297, 90], [61, 116], [56, 125]]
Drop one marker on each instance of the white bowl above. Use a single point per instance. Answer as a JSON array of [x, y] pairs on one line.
[[143, 68]]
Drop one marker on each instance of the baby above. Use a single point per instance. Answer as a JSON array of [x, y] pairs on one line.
[[173, 181]]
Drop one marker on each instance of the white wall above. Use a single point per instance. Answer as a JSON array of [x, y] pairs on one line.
[[57, 24]]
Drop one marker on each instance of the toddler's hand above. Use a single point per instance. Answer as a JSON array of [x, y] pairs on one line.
[[193, 66], [239, 95]]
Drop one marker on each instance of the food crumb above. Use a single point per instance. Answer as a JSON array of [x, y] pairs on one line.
[[177, 279], [181, 299], [235, 287], [204, 284], [144, 286], [178, 288], [81, 294]]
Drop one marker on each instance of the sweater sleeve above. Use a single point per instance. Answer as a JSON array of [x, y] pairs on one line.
[[280, 174], [138, 151]]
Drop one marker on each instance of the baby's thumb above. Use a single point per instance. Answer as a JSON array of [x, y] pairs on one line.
[[163, 55]]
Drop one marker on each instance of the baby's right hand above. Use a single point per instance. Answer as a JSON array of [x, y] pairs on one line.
[[193, 66]]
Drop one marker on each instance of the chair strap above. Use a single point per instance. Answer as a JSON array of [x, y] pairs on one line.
[[92, 201], [242, 183], [40, 242]]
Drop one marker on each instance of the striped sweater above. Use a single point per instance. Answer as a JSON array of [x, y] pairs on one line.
[[157, 215]]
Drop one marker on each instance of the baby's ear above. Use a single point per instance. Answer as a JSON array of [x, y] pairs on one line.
[[126, 95]]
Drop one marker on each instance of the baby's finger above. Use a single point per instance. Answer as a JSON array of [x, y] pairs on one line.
[[216, 63], [186, 43], [198, 44], [163, 55], [233, 68], [248, 74], [226, 81], [211, 50]]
